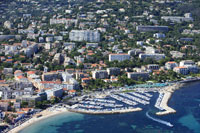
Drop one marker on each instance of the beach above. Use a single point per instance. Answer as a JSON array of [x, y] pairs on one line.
[[43, 115]]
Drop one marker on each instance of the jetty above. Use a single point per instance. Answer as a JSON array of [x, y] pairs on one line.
[[106, 111], [163, 104]]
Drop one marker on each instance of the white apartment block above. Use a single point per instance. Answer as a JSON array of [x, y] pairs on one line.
[[63, 21], [153, 67], [170, 65], [99, 74], [84, 35], [119, 57], [186, 63], [93, 45], [48, 46], [30, 50], [55, 92], [193, 69], [182, 70], [152, 56]]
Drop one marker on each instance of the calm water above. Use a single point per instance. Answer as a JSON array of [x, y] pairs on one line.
[[186, 101]]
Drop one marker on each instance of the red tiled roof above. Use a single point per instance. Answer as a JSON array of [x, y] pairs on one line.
[[20, 77], [181, 67], [171, 62], [72, 91], [65, 89], [18, 71], [26, 109], [31, 72], [9, 59], [86, 78], [1, 81]]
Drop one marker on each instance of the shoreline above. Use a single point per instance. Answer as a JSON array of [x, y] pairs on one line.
[[45, 114]]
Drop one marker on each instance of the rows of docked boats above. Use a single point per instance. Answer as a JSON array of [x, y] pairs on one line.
[[108, 104], [89, 106], [133, 98], [105, 104], [158, 101], [140, 96], [122, 99], [103, 100]]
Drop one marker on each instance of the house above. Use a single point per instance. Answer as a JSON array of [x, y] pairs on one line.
[[177, 54], [9, 61], [8, 71], [72, 92], [181, 69], [186, 63], [93, 45], [153, 67], [49, 76], [159, 35], [113, 71], [99, 74], [4, 106], [55, 92], [170, 65]]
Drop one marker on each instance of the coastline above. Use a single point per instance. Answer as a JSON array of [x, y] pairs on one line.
[[45, 114], [168, 91]]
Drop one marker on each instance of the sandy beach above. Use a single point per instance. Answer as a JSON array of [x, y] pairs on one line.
[[45, 114]]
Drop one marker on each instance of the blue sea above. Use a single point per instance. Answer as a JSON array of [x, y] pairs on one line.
[[186, 101]]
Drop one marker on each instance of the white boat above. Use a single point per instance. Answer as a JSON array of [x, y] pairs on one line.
[[159, 120]]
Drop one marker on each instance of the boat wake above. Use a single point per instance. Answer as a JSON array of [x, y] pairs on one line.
[[159, 120]]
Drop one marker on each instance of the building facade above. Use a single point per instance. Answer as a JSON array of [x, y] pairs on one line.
[[84, 35], [119, 57]]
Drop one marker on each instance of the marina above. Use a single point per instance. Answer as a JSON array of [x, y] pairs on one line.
[[119, 101], [126, 122]]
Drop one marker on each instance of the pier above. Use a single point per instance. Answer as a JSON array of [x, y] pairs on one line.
[[164, 105], [159, 100], [107, 111]]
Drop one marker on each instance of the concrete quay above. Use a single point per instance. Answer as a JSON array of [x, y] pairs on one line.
[[163, 104], [105, 111]]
